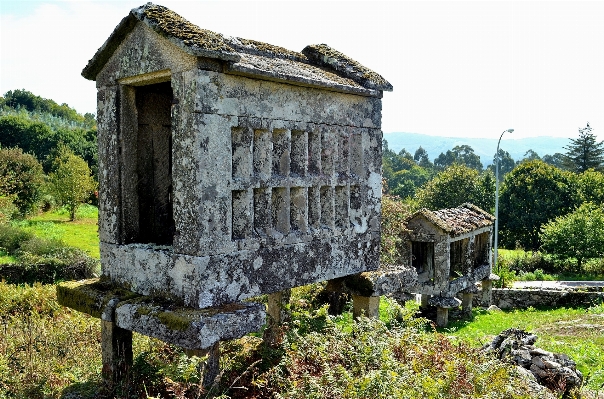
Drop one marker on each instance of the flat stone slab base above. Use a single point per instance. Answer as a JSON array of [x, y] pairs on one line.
[[388, 279], [186, 327]]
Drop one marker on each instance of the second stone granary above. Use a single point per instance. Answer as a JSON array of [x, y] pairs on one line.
[[229, 167], [445, 253], [450, 249]]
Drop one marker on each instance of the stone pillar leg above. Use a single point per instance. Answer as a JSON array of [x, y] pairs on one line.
[[486, 296], [116, 347], [423, 303], [442, 317], [369, 305], [277, 314], [212, 365], [466, 303]]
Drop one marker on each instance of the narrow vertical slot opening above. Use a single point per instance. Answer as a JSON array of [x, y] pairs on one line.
[[328, 153], [327, 216], [299, 153], [262, 151], [298, 209], [280, 206], [343, 158], [262, 210], [314, 153], [341, 207], [281, 152], [314, 207], [241, 157], [242, 214]]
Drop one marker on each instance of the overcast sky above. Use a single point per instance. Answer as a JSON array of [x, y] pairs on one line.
[[468, 69]]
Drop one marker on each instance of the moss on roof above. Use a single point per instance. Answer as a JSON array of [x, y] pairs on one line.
[[455, 221], [265, 49], [170, 24], [317, 63], [327, 56]]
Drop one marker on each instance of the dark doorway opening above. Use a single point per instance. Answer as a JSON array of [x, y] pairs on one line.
[[154, 164], [422, 256]]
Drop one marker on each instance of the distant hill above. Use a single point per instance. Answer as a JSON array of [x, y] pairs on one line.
[[483, 147]]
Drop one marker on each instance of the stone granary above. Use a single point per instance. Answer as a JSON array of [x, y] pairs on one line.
[[450, 249], [228, 168]]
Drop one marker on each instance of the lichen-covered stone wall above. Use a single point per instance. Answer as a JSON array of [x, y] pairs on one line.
[[274, 185]]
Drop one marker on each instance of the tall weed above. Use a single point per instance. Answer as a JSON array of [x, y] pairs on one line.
[[374, 361]]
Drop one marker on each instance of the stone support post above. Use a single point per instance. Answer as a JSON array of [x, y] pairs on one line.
[[466, 303], [367, 305], [442, 317], [277, 313], [424, 301], [212, 365], [486, 295], [116, 347]]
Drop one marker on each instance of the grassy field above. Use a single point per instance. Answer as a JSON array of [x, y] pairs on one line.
[[578, 333], [47, 351], [81, 233]]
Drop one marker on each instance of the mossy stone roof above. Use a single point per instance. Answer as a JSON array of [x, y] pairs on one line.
[[456, 221], [316, 65]]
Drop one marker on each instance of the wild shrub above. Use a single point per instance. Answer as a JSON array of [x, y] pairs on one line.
[[394, 230], [8, 210], [42, 260], [11, 238], [43, 346], [374, 361], [21, 178]]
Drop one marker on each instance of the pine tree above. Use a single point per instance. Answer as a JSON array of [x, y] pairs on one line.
[[584, 152]]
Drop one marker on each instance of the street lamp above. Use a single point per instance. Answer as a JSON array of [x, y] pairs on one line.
[[497, 194]]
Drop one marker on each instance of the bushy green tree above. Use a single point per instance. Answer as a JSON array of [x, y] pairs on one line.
[[531, 195], [405, 183], [394, 214], [394, 167], [21, 179], [530, 155], [506, 164], [71, 179], [584, 152], [456, 185], [460, 154], [34, 138], [422, 159], [591, 187], [578, 235], [556, 160]]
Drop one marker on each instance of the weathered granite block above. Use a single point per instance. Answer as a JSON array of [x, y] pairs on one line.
[[229, 167], [190, 328]]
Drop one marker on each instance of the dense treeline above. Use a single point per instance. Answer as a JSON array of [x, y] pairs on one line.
[[48, 155], [23, 99], [39, 126], [539, 197]]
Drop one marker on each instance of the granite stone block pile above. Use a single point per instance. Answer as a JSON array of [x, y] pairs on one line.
[[555, 371]]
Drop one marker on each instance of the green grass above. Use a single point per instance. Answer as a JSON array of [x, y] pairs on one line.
[[81, 233], [5, 258], [578, 333]]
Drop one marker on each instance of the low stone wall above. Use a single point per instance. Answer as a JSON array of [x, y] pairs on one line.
[[505, 298]]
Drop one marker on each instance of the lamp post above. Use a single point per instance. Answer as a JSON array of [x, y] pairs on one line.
[[497, 195]]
